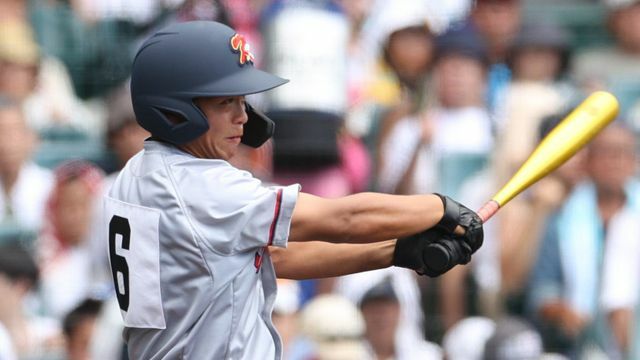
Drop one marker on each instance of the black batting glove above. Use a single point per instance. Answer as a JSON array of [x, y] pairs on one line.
[[457, 214], [408, 250], [432, 252]]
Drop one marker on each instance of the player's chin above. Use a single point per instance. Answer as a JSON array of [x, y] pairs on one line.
[[229, 152]]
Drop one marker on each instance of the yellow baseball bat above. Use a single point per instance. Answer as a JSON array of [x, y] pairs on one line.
[[569, 136]]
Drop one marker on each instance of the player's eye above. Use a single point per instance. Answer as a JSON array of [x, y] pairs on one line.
[[226, 101]]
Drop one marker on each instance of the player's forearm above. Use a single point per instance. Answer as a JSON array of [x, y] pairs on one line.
[[382, 216], [318, 259], [364, 217]]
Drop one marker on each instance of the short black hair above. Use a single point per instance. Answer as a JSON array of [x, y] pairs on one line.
[[462, 40], [549, 123], [88, 309], [17, 263]]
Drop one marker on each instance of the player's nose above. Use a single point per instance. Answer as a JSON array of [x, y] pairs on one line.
[[240, 115]]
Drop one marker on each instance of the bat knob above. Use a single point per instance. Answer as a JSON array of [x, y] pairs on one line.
[[437, 257]]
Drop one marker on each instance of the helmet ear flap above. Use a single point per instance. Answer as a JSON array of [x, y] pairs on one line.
[[170, 116], [177, 121], [258, 129]]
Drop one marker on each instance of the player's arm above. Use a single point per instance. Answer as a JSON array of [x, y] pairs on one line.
[[319, 259], [363, 217]]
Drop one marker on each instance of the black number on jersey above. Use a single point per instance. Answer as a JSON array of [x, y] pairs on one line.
[[120, 226]]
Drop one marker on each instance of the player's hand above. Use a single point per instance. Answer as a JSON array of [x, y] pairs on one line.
[[456, 214], [432, 252]]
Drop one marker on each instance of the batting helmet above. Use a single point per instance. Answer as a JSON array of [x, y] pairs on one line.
[[195, 59]]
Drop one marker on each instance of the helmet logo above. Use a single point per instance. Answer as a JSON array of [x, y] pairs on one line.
[[240, 45]]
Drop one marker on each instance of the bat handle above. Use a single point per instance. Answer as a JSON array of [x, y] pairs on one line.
[[488, 210]]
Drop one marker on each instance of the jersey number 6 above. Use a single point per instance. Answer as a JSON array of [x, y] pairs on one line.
[[119, 268]]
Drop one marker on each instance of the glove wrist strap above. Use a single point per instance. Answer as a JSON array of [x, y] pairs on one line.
[[451, 215]]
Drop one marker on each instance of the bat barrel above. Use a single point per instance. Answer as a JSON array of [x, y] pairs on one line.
[[578, 128]]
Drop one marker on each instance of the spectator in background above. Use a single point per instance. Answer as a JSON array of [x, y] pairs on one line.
[[565, 290], [78, 326], [141, 13], [615, 67], [466, 339], [406, 93], [538, 58], [419, 142], [41, 85], [410, 326], [32, 336], [522, 224], [480, 338], [24, 185], [390, 55], [621, 281], [360, 59], [335, 329], [446, 143], [497, 22], [502, 267], [381, 311], [513, 339], [63, 254], [125, 137]]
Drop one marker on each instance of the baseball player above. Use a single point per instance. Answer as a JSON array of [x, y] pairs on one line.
[[195, 244]]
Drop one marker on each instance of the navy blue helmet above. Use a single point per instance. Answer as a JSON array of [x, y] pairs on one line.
[[195, 59]]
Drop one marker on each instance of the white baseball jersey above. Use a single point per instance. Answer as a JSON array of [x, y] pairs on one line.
[[188, 244]]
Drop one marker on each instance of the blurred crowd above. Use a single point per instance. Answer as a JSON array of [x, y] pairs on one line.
[[404, 97]]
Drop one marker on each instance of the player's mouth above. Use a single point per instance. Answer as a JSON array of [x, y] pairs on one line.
[[234, 139]]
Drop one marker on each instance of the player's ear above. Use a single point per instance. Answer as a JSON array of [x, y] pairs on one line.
[[258, 129]]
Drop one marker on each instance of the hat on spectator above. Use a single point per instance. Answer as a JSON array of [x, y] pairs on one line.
[[336, 327], [542, 35], [407, 14], [539, 34], [383, 291], [513, 339], [17, 44], [462, 40]]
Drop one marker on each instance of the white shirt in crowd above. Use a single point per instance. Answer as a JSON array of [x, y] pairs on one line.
[[27, 201]]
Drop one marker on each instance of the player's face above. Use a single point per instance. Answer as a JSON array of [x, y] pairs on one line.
[[227, 116]]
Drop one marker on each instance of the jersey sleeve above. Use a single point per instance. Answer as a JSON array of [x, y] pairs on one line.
[[234, 212], [271, 219]]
